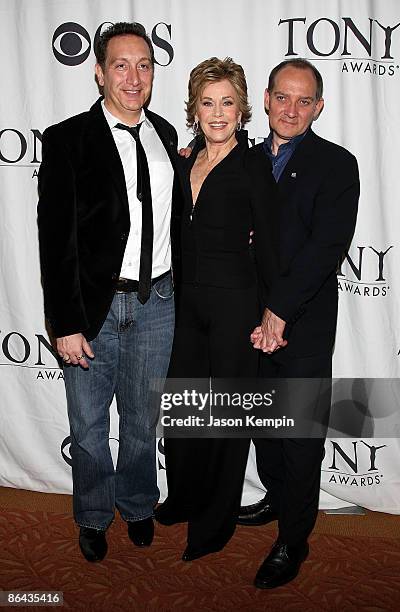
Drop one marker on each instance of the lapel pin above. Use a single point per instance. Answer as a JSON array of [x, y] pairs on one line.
[[293, 175]]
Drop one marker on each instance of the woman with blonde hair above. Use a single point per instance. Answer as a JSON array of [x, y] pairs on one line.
[[226, 197]]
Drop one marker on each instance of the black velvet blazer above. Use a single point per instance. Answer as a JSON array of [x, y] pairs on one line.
[[83, 219], [319, 191]]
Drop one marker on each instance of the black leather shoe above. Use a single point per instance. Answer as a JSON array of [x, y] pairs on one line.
[[93, 544], [166, 516], [259, 513], [281, 565], [141, 532], [191, 554]]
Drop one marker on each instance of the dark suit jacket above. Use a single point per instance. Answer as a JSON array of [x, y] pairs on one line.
[[83, 218], [319, 191]]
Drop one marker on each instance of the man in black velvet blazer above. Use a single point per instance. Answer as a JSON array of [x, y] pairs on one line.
[[319, 188], [107, 283]]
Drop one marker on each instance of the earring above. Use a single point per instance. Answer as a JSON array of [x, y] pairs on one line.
[[196, 127], [239, 126]]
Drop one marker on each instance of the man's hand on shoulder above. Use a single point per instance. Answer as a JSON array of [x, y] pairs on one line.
[[74, 349], [268, 337], [185, 152]]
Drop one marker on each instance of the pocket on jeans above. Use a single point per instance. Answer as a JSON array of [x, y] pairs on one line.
[[164, 288]]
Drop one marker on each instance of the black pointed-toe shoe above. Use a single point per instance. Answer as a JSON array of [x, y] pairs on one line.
[[259, 513], [93, 544], [281, 566], [141, 532]]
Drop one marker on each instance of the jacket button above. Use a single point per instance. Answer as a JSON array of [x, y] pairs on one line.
[[123, 236], [114, 276]]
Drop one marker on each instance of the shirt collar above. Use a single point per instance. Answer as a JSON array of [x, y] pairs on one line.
[[291, 144], [112, 120]]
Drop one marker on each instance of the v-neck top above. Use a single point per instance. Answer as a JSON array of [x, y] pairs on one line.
[[216, 231]]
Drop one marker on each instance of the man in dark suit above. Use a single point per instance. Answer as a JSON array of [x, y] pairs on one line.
[[319, 188], [107, 189]]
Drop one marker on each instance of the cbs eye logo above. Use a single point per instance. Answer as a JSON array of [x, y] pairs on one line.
[[71, 44]]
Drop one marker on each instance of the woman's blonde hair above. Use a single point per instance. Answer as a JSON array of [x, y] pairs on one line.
[[211, 71]]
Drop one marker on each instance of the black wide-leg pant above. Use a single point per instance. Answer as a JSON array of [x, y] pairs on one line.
[[205, 476], [290, 469]]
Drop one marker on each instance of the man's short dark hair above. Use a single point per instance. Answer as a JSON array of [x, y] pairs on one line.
[[121, 28], [302, 64]]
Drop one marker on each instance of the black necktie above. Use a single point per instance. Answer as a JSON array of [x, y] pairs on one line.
[[143, 191]]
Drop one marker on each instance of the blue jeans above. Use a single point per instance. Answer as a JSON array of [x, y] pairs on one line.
[[133, 346]]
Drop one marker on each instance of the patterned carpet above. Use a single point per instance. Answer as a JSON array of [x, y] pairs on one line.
[[354, 564]]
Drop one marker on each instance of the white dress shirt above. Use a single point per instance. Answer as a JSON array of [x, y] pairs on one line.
[[161, 181]]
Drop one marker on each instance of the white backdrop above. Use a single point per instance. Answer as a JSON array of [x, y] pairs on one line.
[[46, 74]]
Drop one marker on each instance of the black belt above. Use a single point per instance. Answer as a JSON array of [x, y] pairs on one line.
[[126, 285]]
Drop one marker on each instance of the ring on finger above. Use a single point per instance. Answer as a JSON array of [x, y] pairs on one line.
[[79, 357]]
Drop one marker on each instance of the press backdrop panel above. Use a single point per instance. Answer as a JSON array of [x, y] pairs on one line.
[[46, 71]]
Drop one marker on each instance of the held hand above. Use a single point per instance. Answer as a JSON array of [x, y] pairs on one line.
[[260, 342], [256, 335], [74, 349], [185, 152], [257, 338], [268, 337], [272, 328]]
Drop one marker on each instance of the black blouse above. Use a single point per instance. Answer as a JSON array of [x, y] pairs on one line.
[[216, 231]]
